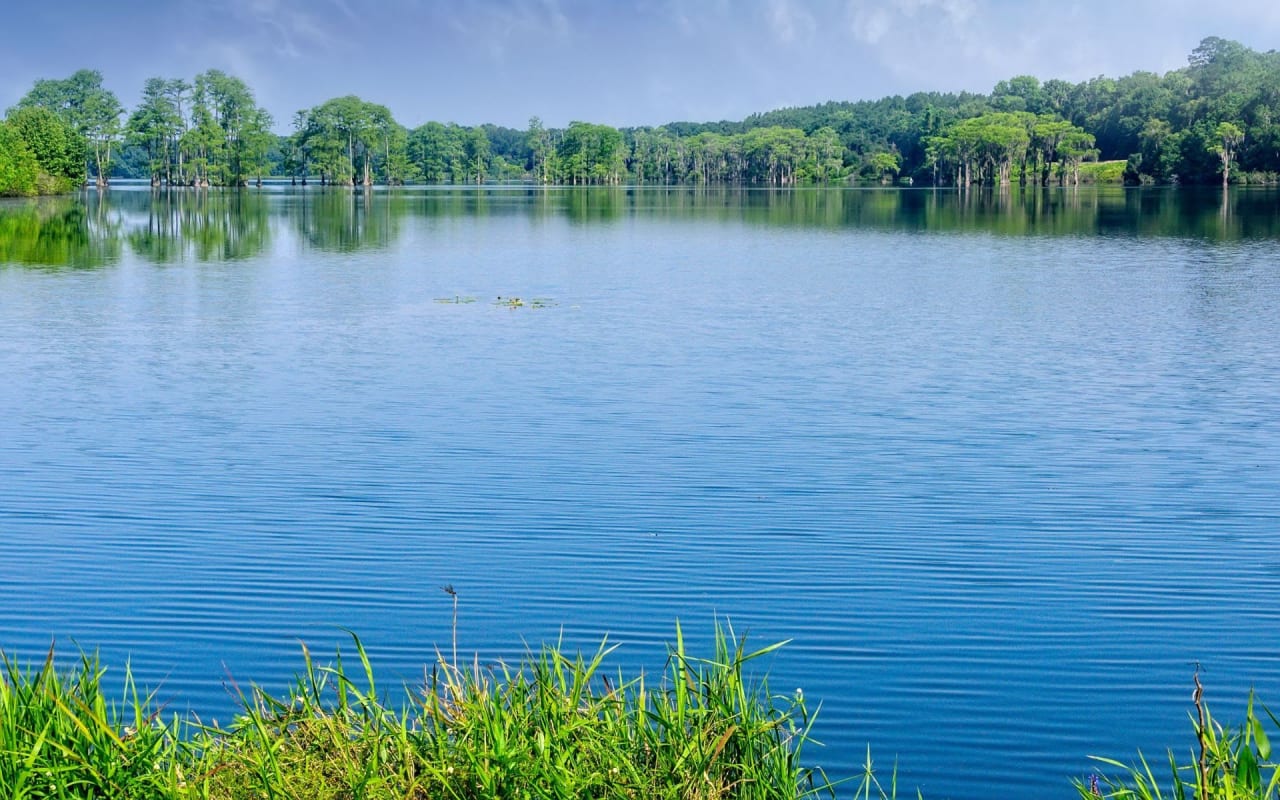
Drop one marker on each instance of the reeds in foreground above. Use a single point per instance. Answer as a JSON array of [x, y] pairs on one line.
[[1226, 764], [553, 726], [61, 738]]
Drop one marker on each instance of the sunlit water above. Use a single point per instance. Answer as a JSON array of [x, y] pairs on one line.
[[1002, 467]]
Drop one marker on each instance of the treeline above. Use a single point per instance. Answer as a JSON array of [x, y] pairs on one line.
[[207, 132], [1217, 119]]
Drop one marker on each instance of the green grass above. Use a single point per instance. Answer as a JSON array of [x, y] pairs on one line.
[[553, 726], [1102, 172], [1225, 764], [61, 738]]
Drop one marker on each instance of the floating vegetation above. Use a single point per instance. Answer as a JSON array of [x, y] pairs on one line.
[[457, 299], [520, 302]]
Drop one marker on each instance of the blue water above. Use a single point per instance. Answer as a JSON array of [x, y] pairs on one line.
[[1002, 473]]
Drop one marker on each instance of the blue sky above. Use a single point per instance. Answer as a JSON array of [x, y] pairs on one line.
[[631, 62]]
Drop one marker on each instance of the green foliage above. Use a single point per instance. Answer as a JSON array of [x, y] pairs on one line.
[[883, 165], [157, 126], [210, 132], [349, 141], [229, 134], [1216, 117], [1140, 113], [61, 738], [589, 153], [554, 726], [986, 149], [1103, 172], [91, 110], [771, 155], [1228, 137], [541, 160], [1226, 764], [59, 152], [437, 151], [19, 170]]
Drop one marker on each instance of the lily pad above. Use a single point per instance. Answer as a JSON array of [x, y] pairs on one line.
[[520, 302]]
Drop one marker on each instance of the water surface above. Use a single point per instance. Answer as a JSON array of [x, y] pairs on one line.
[[1002, 466]]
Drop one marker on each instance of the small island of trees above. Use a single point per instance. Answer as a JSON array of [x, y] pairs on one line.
[[1215, 120]]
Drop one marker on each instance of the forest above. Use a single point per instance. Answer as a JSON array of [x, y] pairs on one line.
[[1215, 120]]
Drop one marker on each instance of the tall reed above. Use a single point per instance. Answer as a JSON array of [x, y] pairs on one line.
[[1227, 763], [61, 738], [555, 725]]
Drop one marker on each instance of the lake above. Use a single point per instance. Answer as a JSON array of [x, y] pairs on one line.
[[1003, 466]]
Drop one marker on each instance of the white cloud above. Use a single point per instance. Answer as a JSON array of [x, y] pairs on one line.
[[947, 44], [567, 58], [289, 27], [868, 22], [704, 20], [790, 21], [497, 26], [958, 12], [971, 44], [871, 21]]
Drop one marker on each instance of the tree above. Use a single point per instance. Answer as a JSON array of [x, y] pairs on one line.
[[542, 151], [102, 126], [157, 125], [295, 163], [18, 167], [230, 129], [1159, 150], [1047, 136], [772, 154], [178, 93], [985, 148], [399, 170], [828, 155], [330, 134], [590, 153], [255, 143], [883, 165], [1022, 93], [351, 141], [1167, 126], [1229, 138], [476, 149], [92, 112], [428, 150], [58, 150], [1075, 148]]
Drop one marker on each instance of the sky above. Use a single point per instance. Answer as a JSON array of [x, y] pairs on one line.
[[616, 62]]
